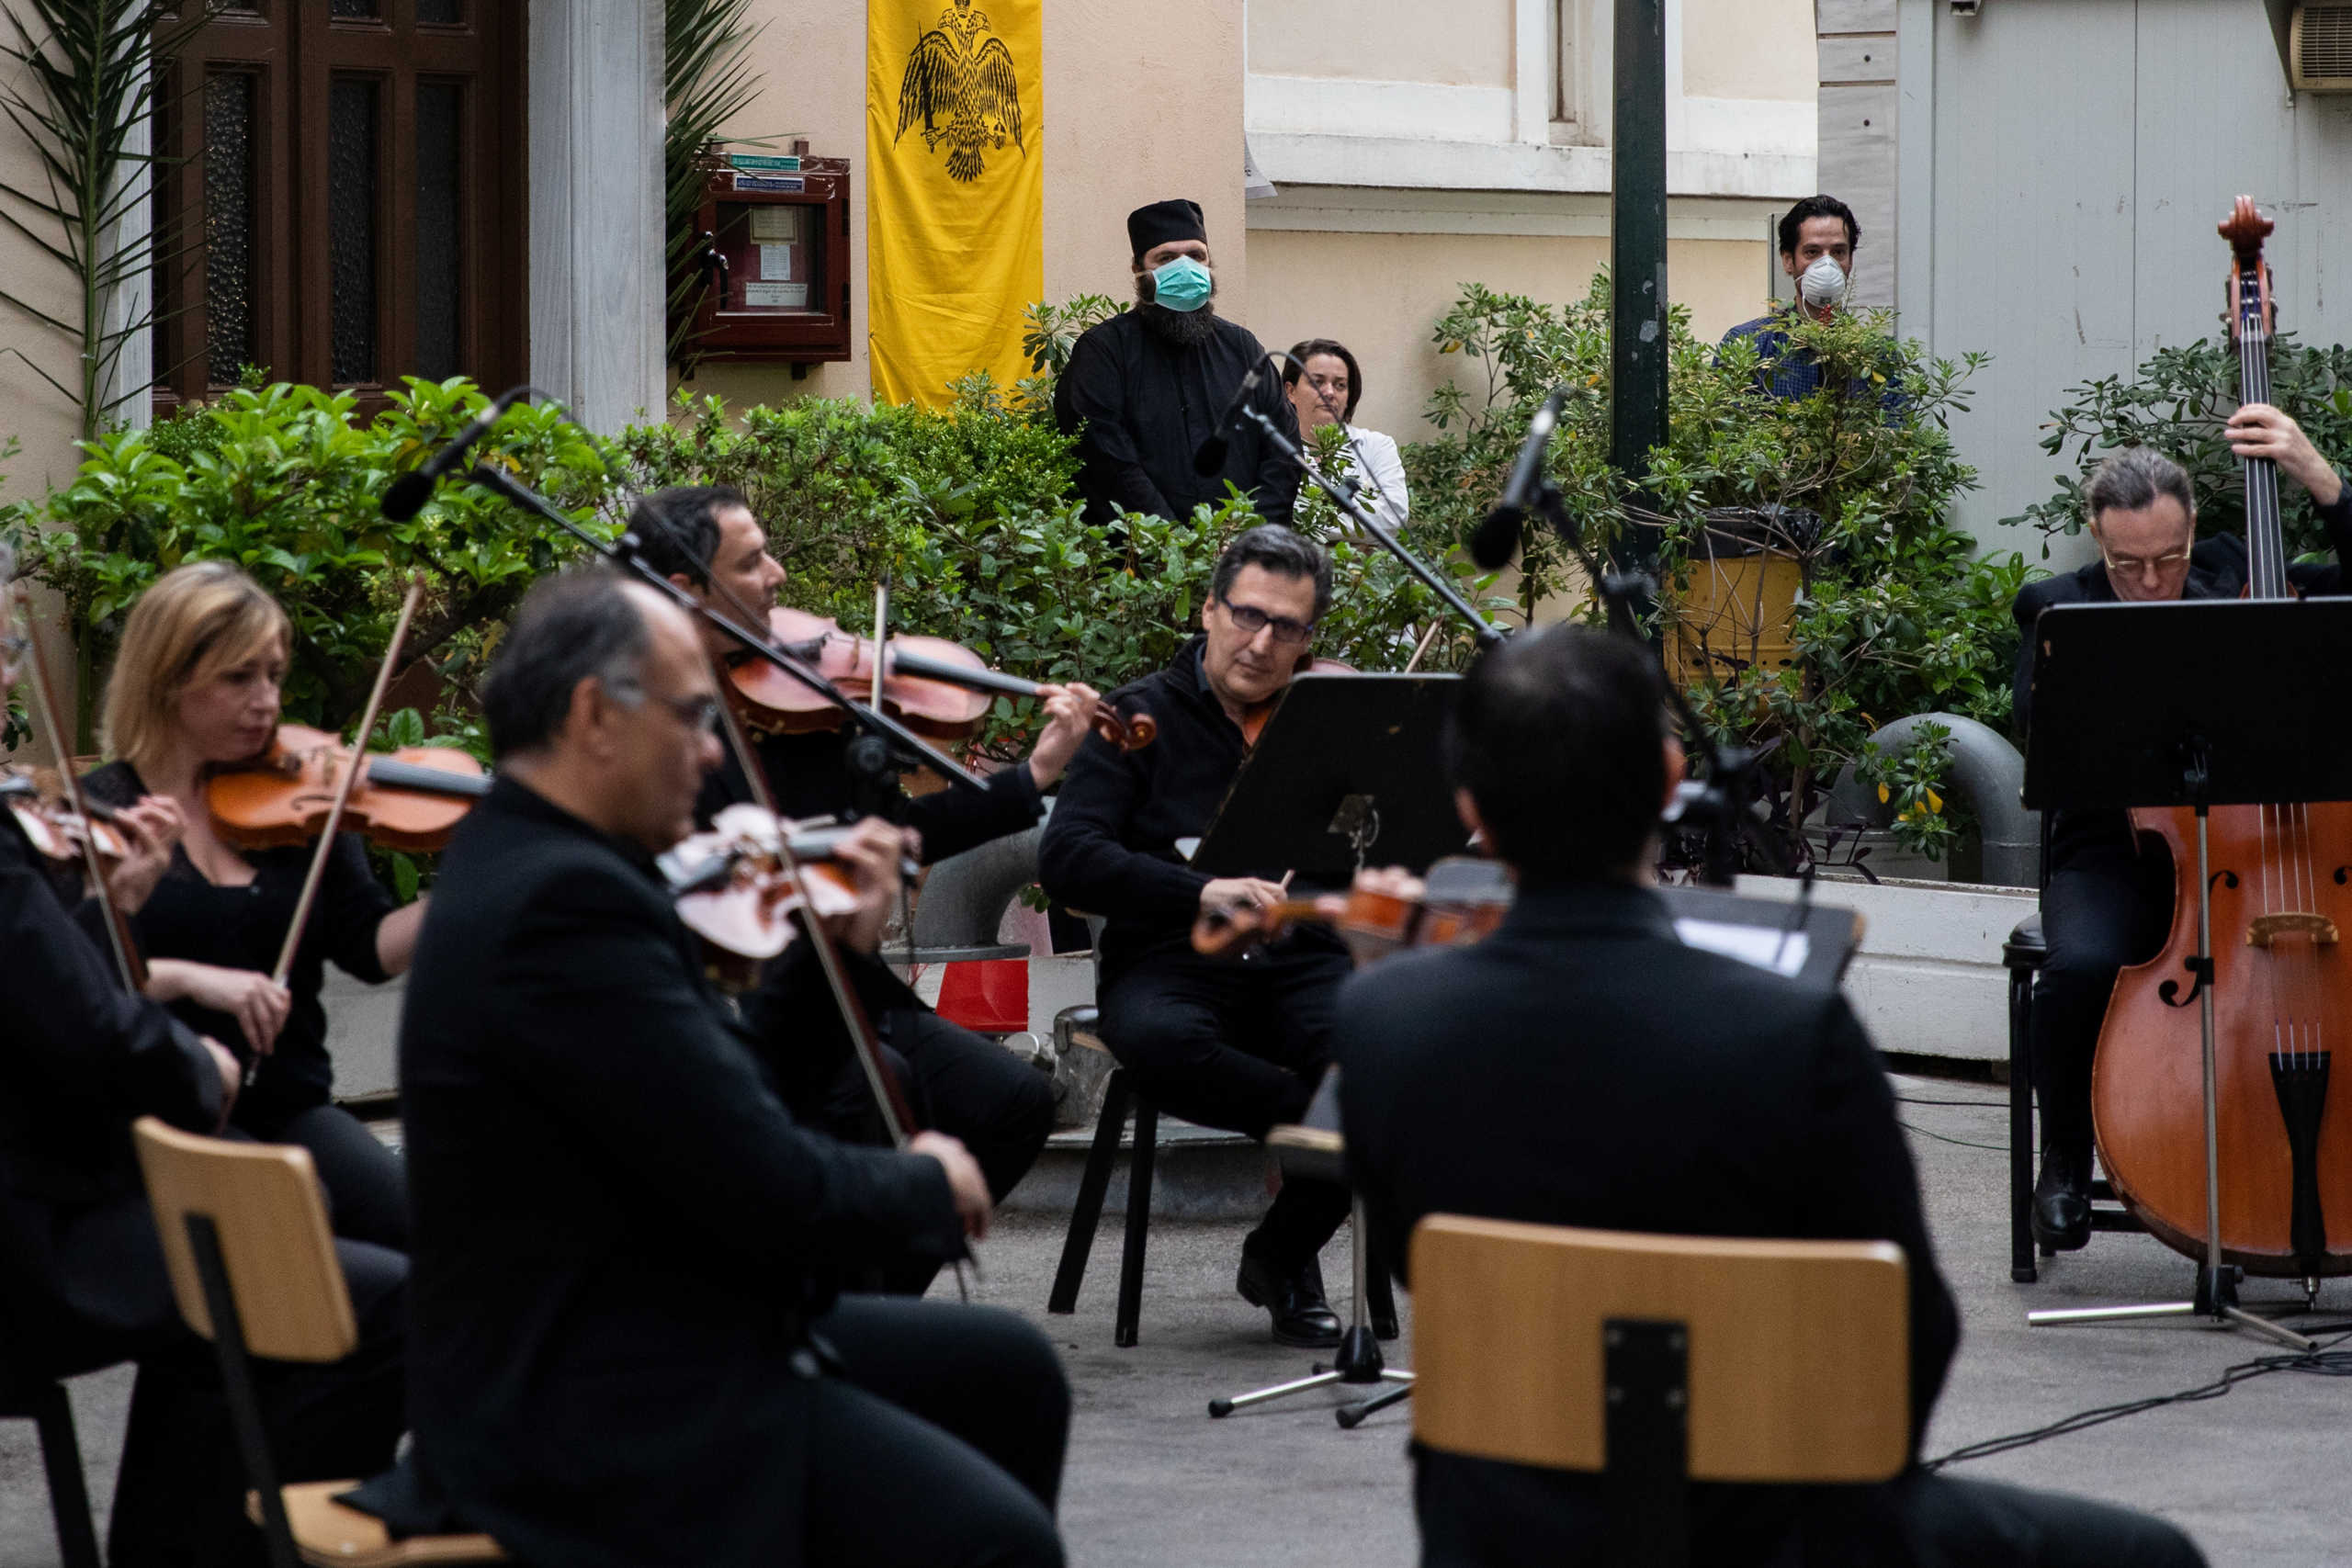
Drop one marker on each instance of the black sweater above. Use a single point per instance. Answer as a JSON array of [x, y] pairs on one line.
[[242, 928], [1109, 845]]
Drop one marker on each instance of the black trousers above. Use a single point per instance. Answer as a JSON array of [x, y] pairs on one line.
[[367, 1186], [179, 1494], [1480, 1513], [957, 1082], [940, 1445], [1240, 1046], [2106, 906]]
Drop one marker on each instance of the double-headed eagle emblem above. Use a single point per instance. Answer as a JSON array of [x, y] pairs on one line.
[[961, 73]]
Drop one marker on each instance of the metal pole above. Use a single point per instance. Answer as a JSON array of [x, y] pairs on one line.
[[1637, 255]]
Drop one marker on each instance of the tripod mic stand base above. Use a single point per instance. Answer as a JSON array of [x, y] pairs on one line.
[[1358, 1361], [2221, 1314]]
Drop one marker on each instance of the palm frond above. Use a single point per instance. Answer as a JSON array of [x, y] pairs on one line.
[[89, 77]]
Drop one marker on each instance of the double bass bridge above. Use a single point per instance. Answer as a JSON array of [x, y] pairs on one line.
[[2264, 931]]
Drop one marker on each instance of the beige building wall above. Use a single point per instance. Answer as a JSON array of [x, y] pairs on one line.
[[1375, 270], [1384, 40], [30, 409], [1749, 49], [1381, 295], [1132, 113]]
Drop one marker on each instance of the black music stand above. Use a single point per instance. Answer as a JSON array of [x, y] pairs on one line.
[[1345, 775], [2204, 704]]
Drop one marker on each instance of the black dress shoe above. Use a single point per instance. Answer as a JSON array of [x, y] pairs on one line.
[[2062, 1200], [1292, 1296]]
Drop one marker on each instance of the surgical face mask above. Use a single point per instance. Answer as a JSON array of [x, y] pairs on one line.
[[1182, 284], [1824, 282]]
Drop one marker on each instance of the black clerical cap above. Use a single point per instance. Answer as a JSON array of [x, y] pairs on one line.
[[1163, 221]]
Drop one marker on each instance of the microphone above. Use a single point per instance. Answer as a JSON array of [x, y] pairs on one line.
[[406, 496], [1209, 461], [1498, 535]]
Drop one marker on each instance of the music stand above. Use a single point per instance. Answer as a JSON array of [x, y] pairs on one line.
[[1315, 1148], [2186, 706], [1345, 775]]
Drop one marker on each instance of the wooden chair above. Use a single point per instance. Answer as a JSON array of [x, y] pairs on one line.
[[253, 1264], [1657, 1360]]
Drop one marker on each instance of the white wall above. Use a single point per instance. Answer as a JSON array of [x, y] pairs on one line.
[[2063, 165]]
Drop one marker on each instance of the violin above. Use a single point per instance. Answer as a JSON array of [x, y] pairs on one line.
[[735, 892], [131, 964], [412, 799], [2278, 983], [1463, 900], [939, 689], [54, 828]]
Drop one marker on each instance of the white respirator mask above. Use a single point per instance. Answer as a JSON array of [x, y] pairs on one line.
[[1824, 284]]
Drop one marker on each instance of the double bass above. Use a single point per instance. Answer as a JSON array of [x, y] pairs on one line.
[[2281, 896]]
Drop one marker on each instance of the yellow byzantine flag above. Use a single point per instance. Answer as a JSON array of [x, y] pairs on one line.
[[954, 201]]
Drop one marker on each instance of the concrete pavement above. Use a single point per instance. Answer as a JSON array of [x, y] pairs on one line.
[[2257, 1476]]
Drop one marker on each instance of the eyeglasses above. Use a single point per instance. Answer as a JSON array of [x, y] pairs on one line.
[[695, 713], [1251, 620], [2142, 566]]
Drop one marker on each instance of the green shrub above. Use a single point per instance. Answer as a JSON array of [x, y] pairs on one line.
[[1897, 614], [2177, 402], [281, 480]]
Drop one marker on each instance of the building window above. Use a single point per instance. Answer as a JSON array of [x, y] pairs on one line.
[[353, 179]]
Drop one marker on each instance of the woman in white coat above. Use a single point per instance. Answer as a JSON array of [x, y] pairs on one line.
[[1324, 386]]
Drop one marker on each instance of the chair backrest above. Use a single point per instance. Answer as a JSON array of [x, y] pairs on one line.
[[266, 1205], [1799, 1351]]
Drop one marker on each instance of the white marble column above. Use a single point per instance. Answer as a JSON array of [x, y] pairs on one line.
[[125, 394], [596, 208]]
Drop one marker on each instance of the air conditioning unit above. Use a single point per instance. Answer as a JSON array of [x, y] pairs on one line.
[[2319, 48]]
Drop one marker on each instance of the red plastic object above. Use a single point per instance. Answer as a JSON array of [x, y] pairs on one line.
[[990, 995]]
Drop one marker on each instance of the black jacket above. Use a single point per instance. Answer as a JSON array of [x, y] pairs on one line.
[[809, 775], [618, 1229], [1582, 1066], [80, 1060], [1141, 407], [1110, 847]]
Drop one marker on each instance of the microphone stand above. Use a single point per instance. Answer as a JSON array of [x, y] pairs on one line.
[[624, 553], [1717, 801], [1342, 491]]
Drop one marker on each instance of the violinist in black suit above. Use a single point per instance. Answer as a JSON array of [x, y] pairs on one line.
[[708, 541], [627, 1347], [2105, 903], [1582, 1066], [81, 1279]]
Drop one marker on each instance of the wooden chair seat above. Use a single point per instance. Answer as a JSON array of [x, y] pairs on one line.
[[325, 1532]]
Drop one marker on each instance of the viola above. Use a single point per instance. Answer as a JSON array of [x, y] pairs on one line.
[[1461, 901], [939, 689], [2281, 992], [411, 799]]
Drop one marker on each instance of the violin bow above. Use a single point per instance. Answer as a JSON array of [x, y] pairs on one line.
[[350, 781], [128, 961]]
